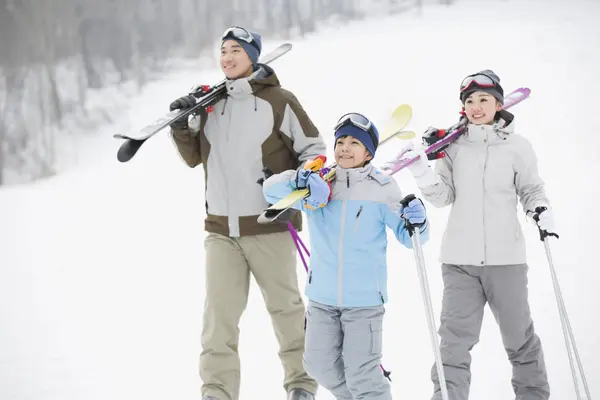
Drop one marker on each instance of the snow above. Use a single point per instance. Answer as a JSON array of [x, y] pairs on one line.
[[101, 267]]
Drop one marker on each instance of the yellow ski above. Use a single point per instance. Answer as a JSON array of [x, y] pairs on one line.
[[405, 135]]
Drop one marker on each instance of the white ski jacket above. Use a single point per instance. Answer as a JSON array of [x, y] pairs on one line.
[[484, 173]]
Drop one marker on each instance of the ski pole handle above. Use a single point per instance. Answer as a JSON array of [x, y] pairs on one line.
[[407, 199], [409, 226], [536, 217]]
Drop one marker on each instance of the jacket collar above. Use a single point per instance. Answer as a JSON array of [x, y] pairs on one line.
[[244, 87], [494, 133], [352, 176], [239, 88]]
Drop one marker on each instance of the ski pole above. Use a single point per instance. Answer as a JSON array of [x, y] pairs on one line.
[[415, 234], [562, 311]]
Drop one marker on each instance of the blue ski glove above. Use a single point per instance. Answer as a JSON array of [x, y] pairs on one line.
[[415, 214], [319, 190], [301, 179]]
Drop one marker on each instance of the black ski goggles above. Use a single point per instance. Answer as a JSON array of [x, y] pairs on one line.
[[239, 33], [361, 122]]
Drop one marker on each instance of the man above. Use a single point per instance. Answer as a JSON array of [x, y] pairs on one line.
[[255, 125]]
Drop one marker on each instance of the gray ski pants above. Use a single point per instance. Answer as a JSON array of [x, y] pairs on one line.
[[504, 288], [343, 349]]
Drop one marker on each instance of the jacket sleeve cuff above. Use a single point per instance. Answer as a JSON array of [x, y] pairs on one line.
[[428, 178]]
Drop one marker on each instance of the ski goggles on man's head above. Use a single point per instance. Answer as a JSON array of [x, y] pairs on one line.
[[481, 80], [236, 32], [361, 122]]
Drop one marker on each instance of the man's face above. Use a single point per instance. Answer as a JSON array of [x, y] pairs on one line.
[[235, 62]]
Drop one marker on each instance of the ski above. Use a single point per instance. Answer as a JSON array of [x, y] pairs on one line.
[[400, 118], [398, 163], [276, 210], [405, 135], [206, 97]]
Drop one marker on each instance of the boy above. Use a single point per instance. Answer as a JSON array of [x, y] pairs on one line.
[[346, 283]]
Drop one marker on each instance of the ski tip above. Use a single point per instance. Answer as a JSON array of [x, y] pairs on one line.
[[396, 123], [124, 154], [405, 135], [263, 219], [521, 91], [274, 215], [128, 149], [402, 114], [516, 96], [403, 108]]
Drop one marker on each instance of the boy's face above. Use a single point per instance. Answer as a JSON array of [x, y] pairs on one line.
[[351, 153], [235, 62], [481, 107]]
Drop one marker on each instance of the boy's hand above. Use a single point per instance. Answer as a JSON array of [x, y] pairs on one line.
[[319, 192], [310, 167], [414, 213]]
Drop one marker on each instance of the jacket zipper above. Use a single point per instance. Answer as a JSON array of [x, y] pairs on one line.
[[483, 200], [340, 254]]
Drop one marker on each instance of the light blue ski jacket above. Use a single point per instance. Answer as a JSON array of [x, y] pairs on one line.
[[348, 237]]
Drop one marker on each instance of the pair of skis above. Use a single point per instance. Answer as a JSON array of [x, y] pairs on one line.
[[206, 96], [399, 162], [400, 119]]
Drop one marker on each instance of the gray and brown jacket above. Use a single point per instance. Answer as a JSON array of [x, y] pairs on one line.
[[256, 125]]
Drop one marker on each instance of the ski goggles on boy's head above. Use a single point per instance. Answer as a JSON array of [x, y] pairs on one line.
[[238, 33], [360, 121], [480, 80]]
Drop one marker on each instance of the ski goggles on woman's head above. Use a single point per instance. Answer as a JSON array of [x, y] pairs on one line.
[[361, 122], [236, 32], [480, 80]]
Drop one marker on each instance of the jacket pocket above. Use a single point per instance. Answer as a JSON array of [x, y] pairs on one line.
[[360, 209], [376, 337]]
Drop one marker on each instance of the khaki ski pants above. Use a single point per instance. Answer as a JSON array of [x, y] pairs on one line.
[[271, 258]]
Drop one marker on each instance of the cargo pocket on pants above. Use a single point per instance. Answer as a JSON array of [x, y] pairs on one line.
[[376, 337]]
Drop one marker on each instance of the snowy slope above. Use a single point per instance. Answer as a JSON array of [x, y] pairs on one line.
[[101, 268]]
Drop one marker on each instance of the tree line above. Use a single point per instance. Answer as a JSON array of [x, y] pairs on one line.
[[55, 51]]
